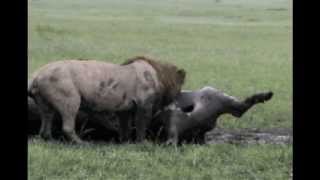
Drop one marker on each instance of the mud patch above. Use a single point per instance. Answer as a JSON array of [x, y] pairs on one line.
[[249, 136]]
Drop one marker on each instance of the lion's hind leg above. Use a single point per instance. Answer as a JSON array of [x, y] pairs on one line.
[[46, 114], [66, 101], [68, 111]]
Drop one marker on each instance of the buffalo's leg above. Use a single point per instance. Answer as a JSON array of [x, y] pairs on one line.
[[259, 98], [200, 137], [173, 136], [175, 126], [238, 108]]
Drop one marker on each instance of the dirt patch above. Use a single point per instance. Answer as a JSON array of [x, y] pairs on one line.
[[250, 136]]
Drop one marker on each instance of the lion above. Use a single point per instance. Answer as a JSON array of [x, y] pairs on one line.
[[135, 88]]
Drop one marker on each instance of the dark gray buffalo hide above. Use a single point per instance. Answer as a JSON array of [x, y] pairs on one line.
[[194, 113]]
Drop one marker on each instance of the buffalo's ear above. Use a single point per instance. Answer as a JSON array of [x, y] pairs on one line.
[[182, 75]]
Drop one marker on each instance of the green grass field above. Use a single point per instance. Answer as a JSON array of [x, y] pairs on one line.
[[238, 46]]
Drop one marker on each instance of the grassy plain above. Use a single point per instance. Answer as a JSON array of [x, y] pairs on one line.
[[238, 46]]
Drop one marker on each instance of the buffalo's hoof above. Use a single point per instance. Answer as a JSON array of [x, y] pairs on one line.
[[262, 97], [267, 96]]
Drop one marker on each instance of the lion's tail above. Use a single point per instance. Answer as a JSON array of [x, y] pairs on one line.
[[30, 82]]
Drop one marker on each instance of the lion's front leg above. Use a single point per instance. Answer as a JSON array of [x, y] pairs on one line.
[[125, 122], [142, 119]]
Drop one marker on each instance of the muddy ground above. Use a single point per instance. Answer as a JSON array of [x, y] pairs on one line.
[[250, 136], [219, 136]]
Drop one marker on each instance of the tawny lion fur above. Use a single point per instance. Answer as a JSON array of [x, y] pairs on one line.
[[136, 87]]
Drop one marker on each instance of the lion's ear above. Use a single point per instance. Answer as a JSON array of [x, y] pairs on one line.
[[182, 72]]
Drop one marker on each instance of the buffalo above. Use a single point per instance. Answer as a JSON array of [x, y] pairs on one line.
[[193, 113]]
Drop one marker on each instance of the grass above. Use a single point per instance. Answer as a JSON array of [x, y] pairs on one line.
[[240, 47], [148, 161]]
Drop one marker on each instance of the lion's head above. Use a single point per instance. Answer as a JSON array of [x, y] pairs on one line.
[[170, 76]]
